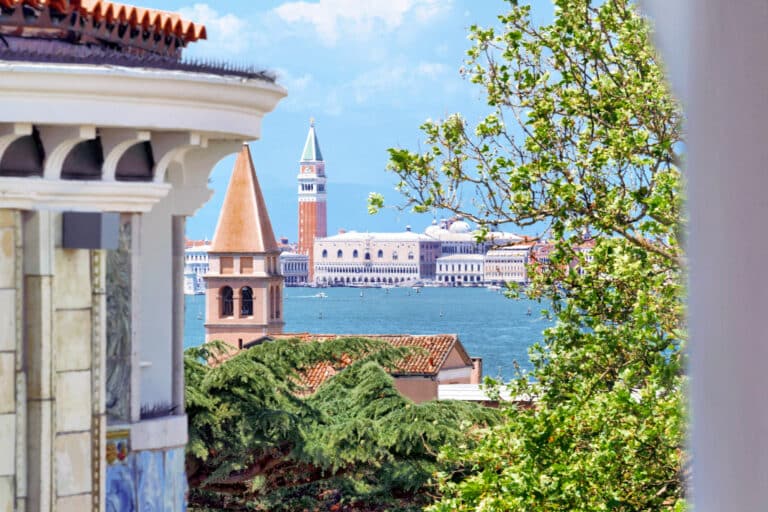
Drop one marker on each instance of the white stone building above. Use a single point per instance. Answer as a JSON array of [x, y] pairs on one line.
[[508, 264], [294, 268], [107, 139], [374, 259], [457, 237], [461, 270], [195, 267]]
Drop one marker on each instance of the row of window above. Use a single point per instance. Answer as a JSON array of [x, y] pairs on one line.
[[364, 280], [227, 301], [293, 266], [364, 270], [196, 256], [466, 279], [471, 267], [309, 187], [355, 254]]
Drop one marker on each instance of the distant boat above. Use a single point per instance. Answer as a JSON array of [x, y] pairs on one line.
[[321, 295], [494, 287], [199, 316], [529, 312], [417, 289]]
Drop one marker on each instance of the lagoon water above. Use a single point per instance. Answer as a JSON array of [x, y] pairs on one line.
[[489, 325]]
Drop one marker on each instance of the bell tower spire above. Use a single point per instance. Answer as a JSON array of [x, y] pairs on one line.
[[244, 288], [312, 196]]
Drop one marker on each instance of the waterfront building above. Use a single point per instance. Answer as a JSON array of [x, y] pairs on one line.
[[375, 259], [441, 360], [457, 237], [107, 141], [244, 288], [195, 266], [294, 267], [461, 270], [312, 198], [507, 264]]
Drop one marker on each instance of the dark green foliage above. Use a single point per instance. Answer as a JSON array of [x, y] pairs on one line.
[[257, 442]]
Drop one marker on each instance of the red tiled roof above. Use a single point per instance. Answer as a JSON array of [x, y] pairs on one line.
[[427, 362], [152, 20]]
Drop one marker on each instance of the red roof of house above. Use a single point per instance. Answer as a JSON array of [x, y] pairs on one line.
[[428, 362]]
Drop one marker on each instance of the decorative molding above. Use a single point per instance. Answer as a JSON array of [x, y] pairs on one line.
[[98, 382], [41, 193], [115, 142], [190, 177], [167, 146], [21, 377], [58, 141], [11, 132], [160, 433]]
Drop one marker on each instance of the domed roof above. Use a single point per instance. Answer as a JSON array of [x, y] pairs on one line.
[[459, 227], [434, 229]]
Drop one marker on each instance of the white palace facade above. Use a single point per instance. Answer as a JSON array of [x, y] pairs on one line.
[[366, 259], [448, 253]]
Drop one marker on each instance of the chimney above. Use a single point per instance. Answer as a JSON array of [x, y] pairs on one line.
[[477, 370]]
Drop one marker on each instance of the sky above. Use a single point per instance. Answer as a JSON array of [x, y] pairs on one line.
[[369, 72]]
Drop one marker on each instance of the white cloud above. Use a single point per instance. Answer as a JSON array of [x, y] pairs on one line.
[[227, 33], [398, 81], [293, 83], [332, 19]]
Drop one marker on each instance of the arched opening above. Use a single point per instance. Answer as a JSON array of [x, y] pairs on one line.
[[84, 161], [24, 157], [354, 253], [339, 254], [277, 302], [226, 298], [368, 256], [246, 301], [380, 254], [325, 253], [136, 164]]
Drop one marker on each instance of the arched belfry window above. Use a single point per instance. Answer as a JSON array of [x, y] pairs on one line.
[[246, 301], [277, 302], [339, 254], [227, 301]]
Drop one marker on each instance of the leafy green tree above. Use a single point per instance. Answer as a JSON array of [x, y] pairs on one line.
[[258, 440], [582, 140]]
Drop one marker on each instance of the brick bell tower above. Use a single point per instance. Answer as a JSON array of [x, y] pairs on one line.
[[312, 197], [244, 288]]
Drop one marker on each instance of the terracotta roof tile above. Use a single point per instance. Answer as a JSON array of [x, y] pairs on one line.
[[167, 22], [429, 362]]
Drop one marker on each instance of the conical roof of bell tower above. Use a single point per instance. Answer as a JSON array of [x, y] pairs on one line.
[[311, 147], [244, 225]]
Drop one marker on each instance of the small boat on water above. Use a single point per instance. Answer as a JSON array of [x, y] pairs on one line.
[[321, 295], [493, 288]]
